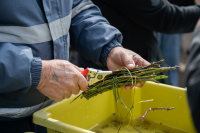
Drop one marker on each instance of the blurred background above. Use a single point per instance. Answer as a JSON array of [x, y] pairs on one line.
[[185, 44]]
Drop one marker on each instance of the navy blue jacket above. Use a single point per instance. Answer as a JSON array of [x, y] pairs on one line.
[[35, 30]]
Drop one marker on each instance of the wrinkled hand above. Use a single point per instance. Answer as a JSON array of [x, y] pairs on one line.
[[197, 1], [60, 79], [197, 24], [119, 57]]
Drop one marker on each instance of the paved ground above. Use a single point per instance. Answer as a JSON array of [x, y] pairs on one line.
[[186, 38]]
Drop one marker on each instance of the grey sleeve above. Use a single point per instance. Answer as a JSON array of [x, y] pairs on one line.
[[193, 78], [19, 70]]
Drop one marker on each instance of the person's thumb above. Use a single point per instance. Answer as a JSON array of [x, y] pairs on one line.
[[82, 83], [128, 61]]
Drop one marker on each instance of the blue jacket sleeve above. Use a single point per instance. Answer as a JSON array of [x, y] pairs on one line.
[[19, 70], [91, 34]]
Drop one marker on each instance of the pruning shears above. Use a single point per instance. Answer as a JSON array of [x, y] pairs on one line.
[[94, 75]]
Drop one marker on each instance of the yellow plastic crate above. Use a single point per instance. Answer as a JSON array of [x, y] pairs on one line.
[[83, 114]]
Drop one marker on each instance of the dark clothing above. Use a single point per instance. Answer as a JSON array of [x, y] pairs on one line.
[[193, 78], [182, 2], [138, 19], [20, 126]]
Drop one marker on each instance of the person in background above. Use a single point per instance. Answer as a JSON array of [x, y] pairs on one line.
[[183, 2], [170, 45], [34, 53], [139, 19], [193, 77]]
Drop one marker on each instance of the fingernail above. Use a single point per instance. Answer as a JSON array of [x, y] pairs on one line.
[[130, 66]]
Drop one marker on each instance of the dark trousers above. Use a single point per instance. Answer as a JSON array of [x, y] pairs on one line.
[[20, 126]]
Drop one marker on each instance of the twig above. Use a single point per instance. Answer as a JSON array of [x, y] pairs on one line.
[[126, 77], [161, 108], [76, 98]]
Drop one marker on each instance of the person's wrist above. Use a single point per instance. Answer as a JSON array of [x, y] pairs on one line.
[[46, 67], [111, 52], [107, 49]]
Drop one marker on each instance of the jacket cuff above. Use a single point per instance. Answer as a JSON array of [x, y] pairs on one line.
[[36, 69], [106, 50]]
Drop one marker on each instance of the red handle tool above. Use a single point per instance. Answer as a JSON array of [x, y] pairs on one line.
[[85, 72]]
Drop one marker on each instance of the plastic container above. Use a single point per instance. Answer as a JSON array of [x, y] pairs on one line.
[[83, 114]]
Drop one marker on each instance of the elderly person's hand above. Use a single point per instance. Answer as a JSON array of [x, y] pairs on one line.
[[60, 79], [197, 1], [119, 57], [198, 24]]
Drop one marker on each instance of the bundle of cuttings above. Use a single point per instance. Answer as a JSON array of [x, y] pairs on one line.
[[125, 77]]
